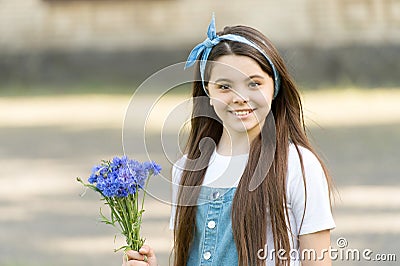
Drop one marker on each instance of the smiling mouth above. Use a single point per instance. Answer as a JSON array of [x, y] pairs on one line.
[[242, 113]]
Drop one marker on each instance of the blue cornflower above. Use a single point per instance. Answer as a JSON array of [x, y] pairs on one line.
[[132, 189], [116, 161], [116, 180], [121, 176], [152, 166], [95, 173], [103, 170], [121, 191]]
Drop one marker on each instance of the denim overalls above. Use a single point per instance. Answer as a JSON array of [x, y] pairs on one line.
[[213, 243]]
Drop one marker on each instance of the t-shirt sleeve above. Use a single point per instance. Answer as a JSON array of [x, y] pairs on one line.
[[318, 215]]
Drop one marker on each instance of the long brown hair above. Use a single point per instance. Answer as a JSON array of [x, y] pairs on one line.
[[250, 209]]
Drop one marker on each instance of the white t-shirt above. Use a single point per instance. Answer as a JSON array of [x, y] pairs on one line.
[[318, 214]]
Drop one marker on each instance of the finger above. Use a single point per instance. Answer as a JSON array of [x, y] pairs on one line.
[[147, 250], [134, 255], [135, 263], [125, 259]]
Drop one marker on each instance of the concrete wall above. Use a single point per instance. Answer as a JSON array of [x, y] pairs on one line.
[[27, 25], [47, 39]]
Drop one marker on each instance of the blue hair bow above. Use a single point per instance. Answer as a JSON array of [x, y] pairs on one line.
[[213, 39]]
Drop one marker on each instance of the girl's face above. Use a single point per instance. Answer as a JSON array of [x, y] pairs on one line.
[[241, 93]]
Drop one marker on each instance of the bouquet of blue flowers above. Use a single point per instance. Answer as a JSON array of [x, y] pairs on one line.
[[119, 182]]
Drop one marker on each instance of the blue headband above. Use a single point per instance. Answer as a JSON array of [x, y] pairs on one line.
[[212, 40]]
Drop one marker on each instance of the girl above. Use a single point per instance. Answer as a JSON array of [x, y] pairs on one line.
[[250, 189]]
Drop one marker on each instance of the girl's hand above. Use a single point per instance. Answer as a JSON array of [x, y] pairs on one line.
[[145, 257]]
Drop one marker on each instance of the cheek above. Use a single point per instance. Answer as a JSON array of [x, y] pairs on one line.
[[267, 103], [263, 99], [219, 106], [220, 100]]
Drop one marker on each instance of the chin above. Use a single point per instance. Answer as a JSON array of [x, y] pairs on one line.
[[245, 128]]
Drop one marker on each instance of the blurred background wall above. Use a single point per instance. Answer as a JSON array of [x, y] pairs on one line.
[[325, 43]]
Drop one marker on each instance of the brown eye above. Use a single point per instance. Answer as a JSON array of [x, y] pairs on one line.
[[224, 87]]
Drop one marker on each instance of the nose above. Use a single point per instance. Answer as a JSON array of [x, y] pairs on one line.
[[240, 97]]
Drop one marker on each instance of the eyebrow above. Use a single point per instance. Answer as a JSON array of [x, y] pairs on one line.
[[228, 80], [255, 76], [222, 80]]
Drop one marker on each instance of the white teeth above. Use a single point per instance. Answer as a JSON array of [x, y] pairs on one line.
[[242, 113]]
